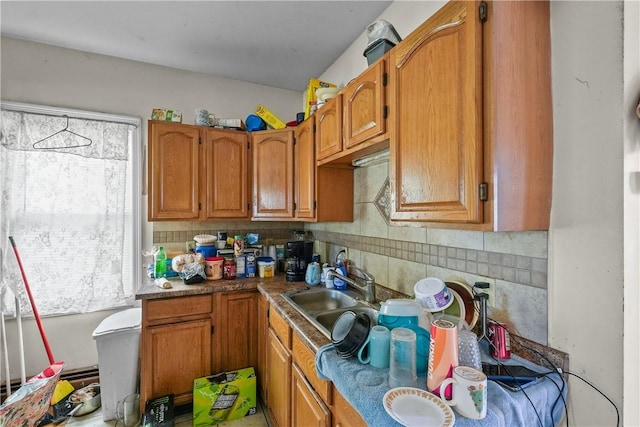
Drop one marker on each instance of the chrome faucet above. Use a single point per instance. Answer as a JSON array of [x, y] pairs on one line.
[[368, 289]]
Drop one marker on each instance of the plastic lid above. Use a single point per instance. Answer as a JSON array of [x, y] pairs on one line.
[[120, 321]]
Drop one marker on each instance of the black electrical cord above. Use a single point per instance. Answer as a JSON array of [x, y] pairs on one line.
[[521, 390], [561, 390], [555, 370], [603, 395]]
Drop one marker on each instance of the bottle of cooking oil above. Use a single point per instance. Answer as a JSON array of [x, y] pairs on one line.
[[160, 263]]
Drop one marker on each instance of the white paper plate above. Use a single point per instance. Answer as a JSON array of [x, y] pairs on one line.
[[415, 407], [205, 238]]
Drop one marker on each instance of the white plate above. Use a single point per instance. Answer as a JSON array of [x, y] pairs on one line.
[[205, 238], [415, 407]]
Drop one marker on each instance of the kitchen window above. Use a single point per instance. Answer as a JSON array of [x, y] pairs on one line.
[[70, 186]]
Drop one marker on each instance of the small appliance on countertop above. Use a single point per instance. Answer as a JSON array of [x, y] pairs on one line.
[[298, 256]]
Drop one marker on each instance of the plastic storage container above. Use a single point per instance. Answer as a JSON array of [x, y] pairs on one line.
[[375, 50], [266, 266], [118, 340], [382, 37]]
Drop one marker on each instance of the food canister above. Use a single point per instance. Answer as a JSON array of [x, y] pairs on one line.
[[266, 266], [241, 265], [213, 267], [251, 265], [208, 250], [229, 268]]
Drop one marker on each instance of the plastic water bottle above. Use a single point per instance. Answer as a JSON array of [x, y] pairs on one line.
[[161, 263]]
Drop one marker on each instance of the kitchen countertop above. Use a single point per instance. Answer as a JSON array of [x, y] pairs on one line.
[[271, 288]]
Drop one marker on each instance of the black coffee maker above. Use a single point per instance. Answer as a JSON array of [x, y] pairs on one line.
[[299, 253]]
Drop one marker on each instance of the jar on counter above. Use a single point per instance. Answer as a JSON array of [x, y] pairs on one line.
[[229, 268], [213, 268]]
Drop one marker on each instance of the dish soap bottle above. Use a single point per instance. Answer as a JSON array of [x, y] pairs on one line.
[[161, 263]]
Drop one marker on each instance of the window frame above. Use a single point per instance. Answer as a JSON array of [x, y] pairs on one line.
[[136, 159]]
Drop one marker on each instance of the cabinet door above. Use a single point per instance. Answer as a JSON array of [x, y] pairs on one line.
[[304, 160], [272, 174], [279, 381], [234, 335], [435, 99], [174, 355], [329, 128], [174, 171], [307, 409], [263, 331], [344, 415], [364, 106], [226, 166]]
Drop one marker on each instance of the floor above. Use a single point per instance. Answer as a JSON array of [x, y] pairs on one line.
[[95, 420]]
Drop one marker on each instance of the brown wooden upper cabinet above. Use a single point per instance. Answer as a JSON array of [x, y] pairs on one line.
[[328, 122], [353, 124], [174, 171], [226, 187], [272, 174], [288, 185], [470, 118], [364, 108], [197, 173]]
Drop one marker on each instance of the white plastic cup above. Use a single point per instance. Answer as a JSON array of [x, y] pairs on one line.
[[402, 358]]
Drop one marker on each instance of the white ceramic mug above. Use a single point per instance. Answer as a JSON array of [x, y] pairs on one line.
[[469, 392]]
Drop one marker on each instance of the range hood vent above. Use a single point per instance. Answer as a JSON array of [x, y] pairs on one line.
[[372, 159]]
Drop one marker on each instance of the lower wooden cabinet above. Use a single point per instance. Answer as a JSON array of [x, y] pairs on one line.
[[235, 320], [263, 333], [296, 396], [307, 408], [279, 381], [175, 346], [343, 413]]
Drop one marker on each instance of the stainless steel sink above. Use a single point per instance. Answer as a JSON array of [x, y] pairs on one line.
[[322, 306], [321, 299]]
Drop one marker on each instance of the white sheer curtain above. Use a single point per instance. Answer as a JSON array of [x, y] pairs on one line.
[[69, 211]]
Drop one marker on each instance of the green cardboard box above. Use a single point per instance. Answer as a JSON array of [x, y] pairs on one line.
[[223, 397]]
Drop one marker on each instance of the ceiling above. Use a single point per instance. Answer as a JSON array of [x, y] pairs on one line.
[[275, 43]]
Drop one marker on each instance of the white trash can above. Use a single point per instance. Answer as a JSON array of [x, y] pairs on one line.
[[118, 342]]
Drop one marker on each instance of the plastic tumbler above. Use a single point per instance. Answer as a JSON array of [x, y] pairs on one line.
[[402, 359], [469, 350]]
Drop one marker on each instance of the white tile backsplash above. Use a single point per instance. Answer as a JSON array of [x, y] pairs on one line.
[[455, 238], [528, 243]]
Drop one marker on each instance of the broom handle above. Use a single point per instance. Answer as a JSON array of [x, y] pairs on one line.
[[33, 305]]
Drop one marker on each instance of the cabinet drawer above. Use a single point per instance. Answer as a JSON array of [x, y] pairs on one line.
[[306, 361], [280, 327], [183, 307]]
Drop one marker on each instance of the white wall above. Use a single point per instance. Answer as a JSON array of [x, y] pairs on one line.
[[631, 182], [586, 236], [41, 74]]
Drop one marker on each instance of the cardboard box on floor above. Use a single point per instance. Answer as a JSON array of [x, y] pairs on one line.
[[223, 397]]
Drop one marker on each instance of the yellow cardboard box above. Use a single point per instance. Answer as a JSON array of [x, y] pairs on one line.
[[310, 96], [269, 118], [224, 397]]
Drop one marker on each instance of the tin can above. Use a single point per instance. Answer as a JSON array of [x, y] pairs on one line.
[[443, 355], [500, 340]]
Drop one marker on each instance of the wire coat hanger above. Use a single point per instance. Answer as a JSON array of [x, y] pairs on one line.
[[86, 143]]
